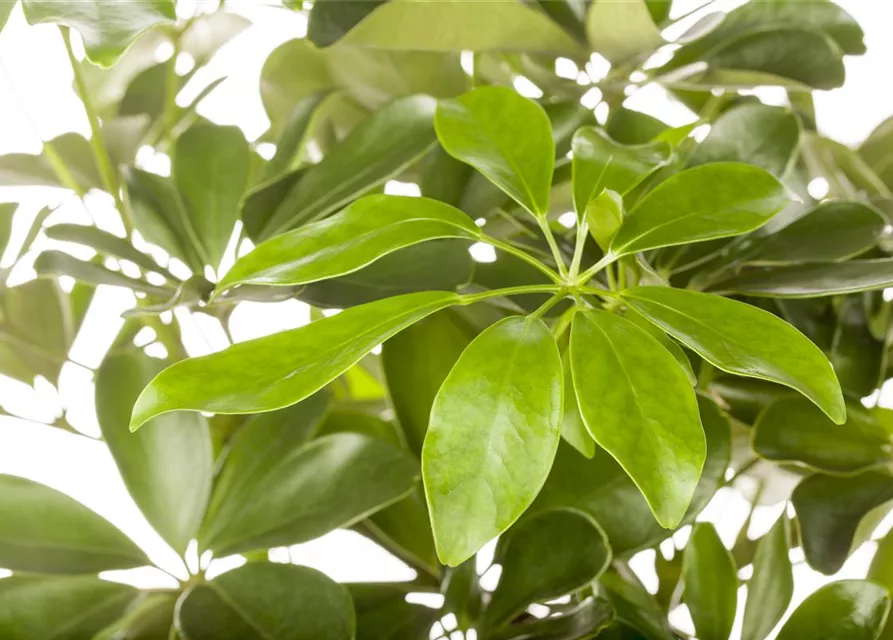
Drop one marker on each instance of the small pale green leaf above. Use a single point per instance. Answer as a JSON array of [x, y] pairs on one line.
[[57, 607], [711, 585], [279, 370], [770, 589], [210, 168], [638, 405], [711, 201], [622, 30], [167, 465], [368, 229], [812, 280], [754, 133], [743, 340], [845, 610], [830, 510], [602, 163], [535, 567], [506, 137], [45, 531], [107, 28], [794, 430], [495, 426], [264, 601], [604, 215]]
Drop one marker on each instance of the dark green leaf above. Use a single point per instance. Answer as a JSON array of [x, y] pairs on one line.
[[57, 607], [845, 610], [830, 510], [638, 405], [858, 357], [622, 30], [296, 130], [506, 137], [711, 201], [635, 607], [59, 263], [536, 567], [365, 231], [494, 429], [384, 614], [45, 531], [743, 340], [633, 127], [279, 370], [812, 280], [331, 19], [583, 621], [262, 601], [770, 589], [880, 572], [167, 465], [711, 585]]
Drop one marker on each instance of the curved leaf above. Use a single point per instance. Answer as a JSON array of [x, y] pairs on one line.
[[279, 370], [622, 30], [845, 610], [770, 589], [495, 426], [812, 280], [743, 340], [711, 584], [638, 405]]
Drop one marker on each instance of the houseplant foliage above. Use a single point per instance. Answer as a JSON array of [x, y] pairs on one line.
[[702, 323]]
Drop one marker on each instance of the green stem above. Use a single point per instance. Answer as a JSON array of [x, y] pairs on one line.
[[601, 293], [100, 153], [553, 245], [705, 375], [563, 322], [582, 232], [523, 255], [548, 304], [612, 281], [509, 291], [607, 259], [170, 92]]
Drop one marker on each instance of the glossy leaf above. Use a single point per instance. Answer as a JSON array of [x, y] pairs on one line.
[[59, 263], [296, 131], [107, 28], [573, 430], [70, 607], [711, 201], [622, 30], [587, 618], [104, 242], [365, 231], [845, 610], [771, 587], [711, 584], [263, 601], [45, 531], [604, 214], [279, 370], [743, 340], [638, 405], [535, 568], [506, 137], [383, 613], [210, 168], [668, 343], [634, 606], [830, 510], [812, 280], [330, 483], [758, 134], [880, 573], [494, 429], [793, 430], [167, 465]]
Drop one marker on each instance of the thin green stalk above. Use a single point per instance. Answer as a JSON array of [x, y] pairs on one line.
[[100, 153], [548, 304], [563, 322], [582, 232], [601, 293], [509, 291], [553, 245], [612, 281], [587, 275], [523, 255]]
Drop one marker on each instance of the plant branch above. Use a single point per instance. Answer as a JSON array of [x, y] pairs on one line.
[[523, 255], [553, 245], [509, 291], [582, 232], [607, 259]]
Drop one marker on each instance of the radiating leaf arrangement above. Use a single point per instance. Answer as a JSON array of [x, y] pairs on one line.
[[696, 320]]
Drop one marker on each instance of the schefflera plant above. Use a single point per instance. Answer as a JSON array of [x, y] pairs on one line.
[[599, 362]]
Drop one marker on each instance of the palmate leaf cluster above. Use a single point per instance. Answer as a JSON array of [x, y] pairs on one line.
[[698, 319]]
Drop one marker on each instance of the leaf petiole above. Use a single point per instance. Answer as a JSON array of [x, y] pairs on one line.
[[509, 291], [523, 255]]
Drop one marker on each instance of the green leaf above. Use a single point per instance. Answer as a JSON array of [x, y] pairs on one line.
[[604, 216], [587, 618], [382, 146], [573, 430], [59, 263], [263, 601], [210, 168], [845, 610], [506, 137], [7, 211], [758, 134], [535, 568], [830, 510], [743, 340], [45, 531], [635, 607], [329, 21], [329, 483], [495, 426], [383, 613], [279, 370], [404, 528], [51, 607], [880, 572], [416, 361], [711, 584], [622, 30], [293, 139], [668, 343], [107, 28], [812, 280], [830, 232], [645, 415], [365, 231], [711, 201], [149, 617], [167, 465], [5, 9], [633, 127], [601, 163], [794, 430], [70, 150], [857, 356], [106, 243], [456, 25], [770, 589]]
